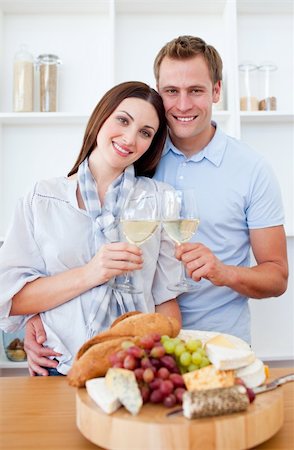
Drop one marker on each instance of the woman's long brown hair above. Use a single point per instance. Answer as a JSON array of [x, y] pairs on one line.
[[145, 165]]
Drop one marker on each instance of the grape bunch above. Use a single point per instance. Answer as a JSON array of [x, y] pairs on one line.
[[189, 355], [157, 372]]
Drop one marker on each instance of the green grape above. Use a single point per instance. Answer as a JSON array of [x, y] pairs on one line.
[[193, 345], [201, 351], [192, 367], [179, 349], [205, 362], [185, 359], [196, 358], [127, 344], [164, 338], [177, 341], [169, 346]]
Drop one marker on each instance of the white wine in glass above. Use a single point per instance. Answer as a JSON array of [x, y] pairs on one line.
[[139, 221], [180, 217]]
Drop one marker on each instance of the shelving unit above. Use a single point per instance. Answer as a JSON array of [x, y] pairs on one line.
[[104, 42]]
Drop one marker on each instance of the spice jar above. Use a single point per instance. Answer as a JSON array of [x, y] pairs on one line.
[[14, 346], [23, 81], [48, 65], [248, 87], [268, 101]]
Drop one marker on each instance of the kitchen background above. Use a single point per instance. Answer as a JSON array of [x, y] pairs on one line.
[[101, 43]]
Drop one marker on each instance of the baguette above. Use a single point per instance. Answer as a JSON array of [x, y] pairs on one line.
[[95, 362], [92, 359], [135, 325]]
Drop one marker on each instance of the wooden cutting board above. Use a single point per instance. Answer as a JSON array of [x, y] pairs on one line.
[[152, 430]]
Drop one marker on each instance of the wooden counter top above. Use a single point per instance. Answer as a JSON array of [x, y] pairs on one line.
[[38, 413]]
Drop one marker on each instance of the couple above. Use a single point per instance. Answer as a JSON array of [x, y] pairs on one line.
[[55, 261]]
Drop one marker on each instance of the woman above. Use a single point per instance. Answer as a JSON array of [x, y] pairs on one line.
[[57, 261]]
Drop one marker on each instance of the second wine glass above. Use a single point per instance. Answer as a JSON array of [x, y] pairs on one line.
[[180, 218], [139, 220]]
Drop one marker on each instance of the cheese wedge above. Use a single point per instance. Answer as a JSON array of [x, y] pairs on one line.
[[253, 375], [101, 395], [221, 341], [208, 378], [224, 358], [226, 355], [123, 384]]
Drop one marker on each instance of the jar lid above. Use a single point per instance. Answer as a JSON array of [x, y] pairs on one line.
[[48, 59], [247, 67], [268, 67]]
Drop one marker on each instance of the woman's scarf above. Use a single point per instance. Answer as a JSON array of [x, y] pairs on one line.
[[107, 304]]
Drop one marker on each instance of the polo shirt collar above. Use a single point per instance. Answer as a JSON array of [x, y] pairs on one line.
[[213, 151]]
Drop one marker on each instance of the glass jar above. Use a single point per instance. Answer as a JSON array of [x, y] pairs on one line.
[[48, 65], [14, 346], [248, 87], [268, 101], [23, 80]]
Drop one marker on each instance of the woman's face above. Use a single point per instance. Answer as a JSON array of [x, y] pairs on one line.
[[127, 133]]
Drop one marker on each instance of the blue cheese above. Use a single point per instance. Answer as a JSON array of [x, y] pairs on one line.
[[102, 395], [123, 385]]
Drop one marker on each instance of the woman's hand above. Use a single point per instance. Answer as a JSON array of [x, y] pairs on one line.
[[37, 355], [112, 260]]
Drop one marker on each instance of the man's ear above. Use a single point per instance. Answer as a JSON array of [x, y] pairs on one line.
[[216, 91]]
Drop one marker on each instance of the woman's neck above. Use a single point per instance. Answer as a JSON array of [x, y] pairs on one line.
[[103, 176]]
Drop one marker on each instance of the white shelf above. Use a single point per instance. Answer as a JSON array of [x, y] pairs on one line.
[[266, 116], [42, 118], [53, 6]]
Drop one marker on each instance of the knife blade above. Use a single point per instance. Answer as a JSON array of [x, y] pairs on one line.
[[273, 384], [257, 390]]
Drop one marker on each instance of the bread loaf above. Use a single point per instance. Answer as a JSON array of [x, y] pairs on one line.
[[95, 362], [92, 360]]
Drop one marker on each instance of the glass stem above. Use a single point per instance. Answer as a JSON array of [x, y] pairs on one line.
[[183, 277], [127, 278]]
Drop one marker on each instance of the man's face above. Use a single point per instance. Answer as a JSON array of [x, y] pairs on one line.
[[188, 94]]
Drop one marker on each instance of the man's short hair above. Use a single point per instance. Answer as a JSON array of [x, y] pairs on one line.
[[186, 47]]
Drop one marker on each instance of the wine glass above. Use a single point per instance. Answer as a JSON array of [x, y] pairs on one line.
[[139, 221], [180, 218]]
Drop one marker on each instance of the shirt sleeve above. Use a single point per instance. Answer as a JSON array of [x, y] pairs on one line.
[[265, 206], [20, 262]]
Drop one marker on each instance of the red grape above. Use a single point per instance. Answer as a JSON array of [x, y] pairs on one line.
[[130, 362], [156, 396], [179, 392], [170, 401], [157, 352], [145, 362], [177, 379], [145, 393], [163, 373], [146, 342], [251, 394], [120, 355], [148, 375], [166, 387], [155, 384], [168, 362], [139, 373], [135, 351]]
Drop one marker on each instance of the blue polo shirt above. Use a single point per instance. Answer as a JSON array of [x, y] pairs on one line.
[[236, 190]]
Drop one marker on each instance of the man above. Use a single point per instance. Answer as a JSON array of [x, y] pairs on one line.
[[238, 197]]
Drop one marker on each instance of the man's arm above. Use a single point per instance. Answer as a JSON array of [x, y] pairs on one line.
[[37, 355], [267, 279], [170, 308]]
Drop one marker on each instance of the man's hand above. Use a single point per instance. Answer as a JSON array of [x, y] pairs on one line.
[[200, 262], [37, 355]]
